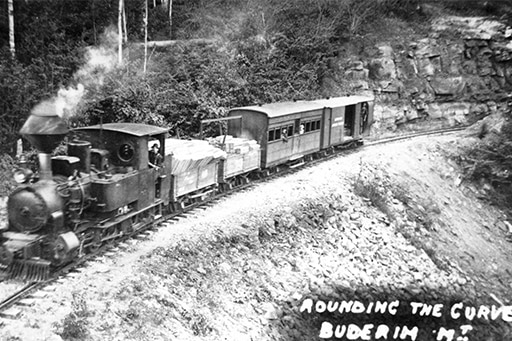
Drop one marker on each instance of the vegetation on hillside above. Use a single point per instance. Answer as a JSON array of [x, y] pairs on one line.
[[250, 52], [489, 163], [259, 51]]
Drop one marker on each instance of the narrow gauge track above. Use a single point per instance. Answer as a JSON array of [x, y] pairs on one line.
[[173, 217]]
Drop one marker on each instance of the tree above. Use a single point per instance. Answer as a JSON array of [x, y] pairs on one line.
[[169, 9], [120, 31], [145, 34], [125, 31], [10, 6]]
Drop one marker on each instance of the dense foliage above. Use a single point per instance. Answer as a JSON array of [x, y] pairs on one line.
[[256, 51], [489, 162]]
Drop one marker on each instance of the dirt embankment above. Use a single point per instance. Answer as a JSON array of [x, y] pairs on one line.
[[390, 223]]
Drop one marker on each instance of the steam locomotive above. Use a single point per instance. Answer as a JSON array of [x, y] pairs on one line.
[[118, 177]]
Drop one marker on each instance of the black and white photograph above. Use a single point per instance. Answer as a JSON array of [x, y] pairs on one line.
[[255, 170]]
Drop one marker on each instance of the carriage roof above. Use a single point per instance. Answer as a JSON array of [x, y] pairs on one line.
[[135, 129], [287, 108]]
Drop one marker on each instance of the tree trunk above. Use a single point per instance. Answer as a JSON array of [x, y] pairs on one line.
[[10, 6], [124, 24], [170, 17], [93, 13], [120, 32], [145, 35]]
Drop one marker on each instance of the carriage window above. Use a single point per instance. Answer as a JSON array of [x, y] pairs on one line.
[[290, 130], [308, 126], [271, 135], [317, 125]]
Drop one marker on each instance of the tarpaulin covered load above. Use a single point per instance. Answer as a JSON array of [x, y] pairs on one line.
[[191, 154]]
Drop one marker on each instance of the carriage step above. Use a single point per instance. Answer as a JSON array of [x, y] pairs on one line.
[[296, 157], [200, 195], [297, 164]]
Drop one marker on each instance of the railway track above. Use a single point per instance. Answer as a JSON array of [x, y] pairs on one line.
[[29, 288]]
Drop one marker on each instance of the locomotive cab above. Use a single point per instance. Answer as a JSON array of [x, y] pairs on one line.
[[79, 200], [120, 163]]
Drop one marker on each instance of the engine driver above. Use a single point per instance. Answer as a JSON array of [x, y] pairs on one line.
[[155, 159]]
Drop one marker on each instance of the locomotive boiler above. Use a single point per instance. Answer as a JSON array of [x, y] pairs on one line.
[[37, 235]]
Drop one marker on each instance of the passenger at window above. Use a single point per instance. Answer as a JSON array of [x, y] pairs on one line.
[[284, 135]]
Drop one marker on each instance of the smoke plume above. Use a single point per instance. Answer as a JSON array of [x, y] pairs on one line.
[[99, 61]]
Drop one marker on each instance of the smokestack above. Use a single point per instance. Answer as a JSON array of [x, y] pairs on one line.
[[44, 129], [45, 166]]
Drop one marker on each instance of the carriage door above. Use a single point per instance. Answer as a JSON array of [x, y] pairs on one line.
[[350, 120], [365, 119], [297, 135], [156, 163], [325, 133]]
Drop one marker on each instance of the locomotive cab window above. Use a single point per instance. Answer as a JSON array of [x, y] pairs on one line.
[[126, 152]]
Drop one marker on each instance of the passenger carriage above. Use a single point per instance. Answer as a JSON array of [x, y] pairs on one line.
[[289, 131]]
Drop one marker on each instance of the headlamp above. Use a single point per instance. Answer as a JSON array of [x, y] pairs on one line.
[[22, 175]]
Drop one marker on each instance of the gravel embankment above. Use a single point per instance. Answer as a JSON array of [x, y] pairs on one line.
[[241, 269]]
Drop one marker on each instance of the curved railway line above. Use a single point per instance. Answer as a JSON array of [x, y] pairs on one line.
[[31, 287]]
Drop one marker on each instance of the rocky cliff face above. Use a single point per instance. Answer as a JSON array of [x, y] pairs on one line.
[[460, 71]]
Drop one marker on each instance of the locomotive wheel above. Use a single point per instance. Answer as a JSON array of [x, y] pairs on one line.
[[95, 243], [126, 227], [224, 187], [6, 256], [149, 215], [178, 206], [135, 222]]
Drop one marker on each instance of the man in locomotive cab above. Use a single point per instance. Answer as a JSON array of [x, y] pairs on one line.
[[155, 158]]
